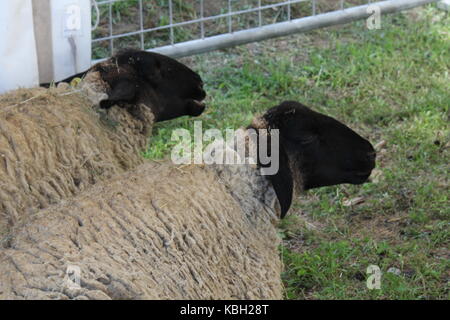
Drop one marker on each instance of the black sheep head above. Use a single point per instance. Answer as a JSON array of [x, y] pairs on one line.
[[163, 84], [315, 151]]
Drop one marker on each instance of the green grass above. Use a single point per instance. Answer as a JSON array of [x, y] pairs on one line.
[[391, 84]]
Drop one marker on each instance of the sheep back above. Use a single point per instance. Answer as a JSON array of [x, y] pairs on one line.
[[159, 232]]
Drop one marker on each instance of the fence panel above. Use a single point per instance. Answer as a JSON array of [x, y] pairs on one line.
[[185, 27]]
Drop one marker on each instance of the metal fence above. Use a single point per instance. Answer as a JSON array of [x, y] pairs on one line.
[[185, 27]]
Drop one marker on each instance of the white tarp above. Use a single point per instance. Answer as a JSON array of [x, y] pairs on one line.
[[43, 41], [18, 60]]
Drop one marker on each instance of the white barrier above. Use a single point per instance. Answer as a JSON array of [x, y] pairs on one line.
[[43, 41]]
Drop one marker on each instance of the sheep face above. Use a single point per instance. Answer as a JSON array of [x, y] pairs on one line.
[[315, 151], [166, 86]]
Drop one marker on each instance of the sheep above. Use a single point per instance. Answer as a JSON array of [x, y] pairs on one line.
[[182, 232], [53, 144], [132, 76], [168, 87]]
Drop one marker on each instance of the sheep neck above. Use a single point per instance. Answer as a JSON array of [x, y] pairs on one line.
[[252, 190]]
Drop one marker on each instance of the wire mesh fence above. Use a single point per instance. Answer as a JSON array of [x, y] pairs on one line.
[[156, 24]]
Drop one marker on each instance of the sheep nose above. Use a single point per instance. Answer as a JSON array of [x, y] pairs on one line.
[[371, 156], [202, 93]]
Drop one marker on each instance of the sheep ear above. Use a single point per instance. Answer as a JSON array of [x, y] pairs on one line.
[[124, 90], [283, 182]]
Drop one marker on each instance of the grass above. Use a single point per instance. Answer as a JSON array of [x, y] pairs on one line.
[[393, 87]]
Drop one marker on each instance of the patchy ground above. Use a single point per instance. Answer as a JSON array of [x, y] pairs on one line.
[[392, 86]]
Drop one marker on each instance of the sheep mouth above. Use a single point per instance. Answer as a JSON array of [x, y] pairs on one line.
[[363, 174], [199, 103], [361, 177], [196, 108]]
